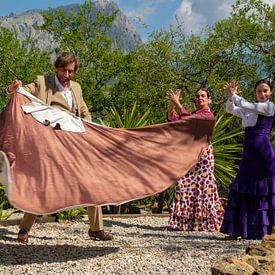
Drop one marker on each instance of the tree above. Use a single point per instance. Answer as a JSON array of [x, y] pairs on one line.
[[86, 36], [255, 30], [248, 35], [148, 74], [19, 60]]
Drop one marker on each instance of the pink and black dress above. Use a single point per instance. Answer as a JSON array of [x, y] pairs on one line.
[[250, 211], [196, 204]]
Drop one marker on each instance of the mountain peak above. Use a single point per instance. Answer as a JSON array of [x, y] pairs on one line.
[[122, 30]]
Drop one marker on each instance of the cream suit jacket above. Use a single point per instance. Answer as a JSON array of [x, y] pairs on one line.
[[45, 89]]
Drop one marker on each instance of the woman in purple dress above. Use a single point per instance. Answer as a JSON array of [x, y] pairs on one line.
[[250, 211], [196, 204]]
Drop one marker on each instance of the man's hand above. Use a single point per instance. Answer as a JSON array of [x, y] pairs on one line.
[[15, 84]]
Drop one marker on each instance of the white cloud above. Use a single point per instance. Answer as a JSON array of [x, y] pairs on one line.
[[146, 9], [185, 8], [185, 16], [270, 2], [142, 12], [193, 15], [223, 10]]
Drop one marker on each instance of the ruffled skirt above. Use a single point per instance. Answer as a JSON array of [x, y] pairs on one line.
[[196, 204], [250, 211]]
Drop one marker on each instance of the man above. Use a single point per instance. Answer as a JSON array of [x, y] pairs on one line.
[[60, 91]]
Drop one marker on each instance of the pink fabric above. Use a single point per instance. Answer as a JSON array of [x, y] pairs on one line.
[[54, 170], [204, 112]]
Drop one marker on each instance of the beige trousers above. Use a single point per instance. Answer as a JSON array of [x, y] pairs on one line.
[[94, 214]]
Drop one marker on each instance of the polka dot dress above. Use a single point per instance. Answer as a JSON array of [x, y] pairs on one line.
[[196, 204]]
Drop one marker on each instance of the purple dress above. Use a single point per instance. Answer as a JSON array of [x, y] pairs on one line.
[[250, 212]]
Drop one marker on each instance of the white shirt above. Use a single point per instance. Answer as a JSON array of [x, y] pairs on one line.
[[248, 111], [66, 92]]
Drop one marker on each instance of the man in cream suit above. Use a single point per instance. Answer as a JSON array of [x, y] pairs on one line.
[[60, 91]]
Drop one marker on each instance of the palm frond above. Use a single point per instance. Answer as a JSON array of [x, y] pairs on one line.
[[128, 119], [227, 152]]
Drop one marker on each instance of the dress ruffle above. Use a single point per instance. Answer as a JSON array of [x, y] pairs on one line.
[[250, 211], [246, 185], [196, 204]]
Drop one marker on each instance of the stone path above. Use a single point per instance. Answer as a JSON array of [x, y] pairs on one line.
[[140, 246]]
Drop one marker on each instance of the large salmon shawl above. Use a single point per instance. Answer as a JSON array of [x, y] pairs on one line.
[[46, 169]]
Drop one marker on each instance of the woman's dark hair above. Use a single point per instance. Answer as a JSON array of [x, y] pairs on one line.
[[261, 81], [66, 58]]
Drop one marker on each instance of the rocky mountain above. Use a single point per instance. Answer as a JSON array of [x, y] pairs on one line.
[[122, 30]]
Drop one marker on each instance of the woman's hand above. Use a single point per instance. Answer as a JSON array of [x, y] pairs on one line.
[[231, 88], [174, 96]]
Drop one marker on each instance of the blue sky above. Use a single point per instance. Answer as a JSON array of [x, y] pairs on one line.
[[152, 14]]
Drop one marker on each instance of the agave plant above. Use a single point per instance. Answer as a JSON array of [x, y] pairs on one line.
[[70, 214], [128, 119], [132, 119], [4, 203], [226, 152]]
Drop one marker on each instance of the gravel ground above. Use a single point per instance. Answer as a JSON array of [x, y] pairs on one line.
[[140, 246]]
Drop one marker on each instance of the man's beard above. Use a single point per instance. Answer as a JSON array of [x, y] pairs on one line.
[[65, 81]]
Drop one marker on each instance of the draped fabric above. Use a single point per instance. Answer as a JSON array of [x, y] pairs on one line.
[[51, 170]]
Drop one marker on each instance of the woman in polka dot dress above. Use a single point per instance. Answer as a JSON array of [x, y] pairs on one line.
[[196, 204]]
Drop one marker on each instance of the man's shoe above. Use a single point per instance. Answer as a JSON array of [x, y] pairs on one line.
[[100, 235], [22, 236]]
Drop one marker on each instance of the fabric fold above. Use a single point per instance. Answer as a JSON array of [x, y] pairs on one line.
[[49, 115], [53, 170]]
